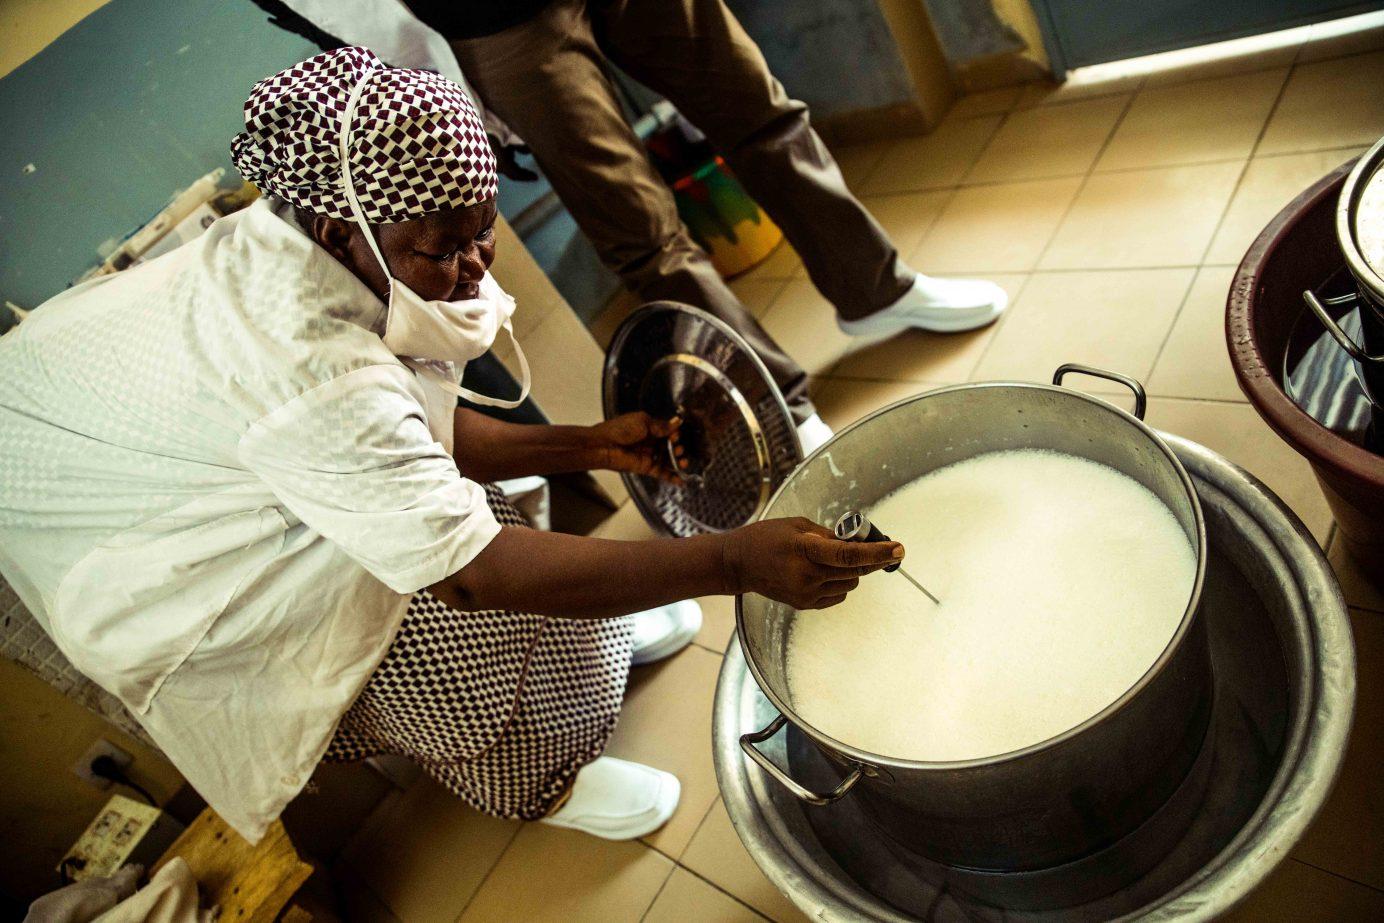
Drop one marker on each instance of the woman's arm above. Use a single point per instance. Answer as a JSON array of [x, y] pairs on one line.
[[794, 561], [487, 449]]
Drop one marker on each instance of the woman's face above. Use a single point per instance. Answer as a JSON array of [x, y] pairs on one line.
[[441, 256]]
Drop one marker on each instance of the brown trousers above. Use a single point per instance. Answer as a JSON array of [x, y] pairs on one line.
[[545, 78]]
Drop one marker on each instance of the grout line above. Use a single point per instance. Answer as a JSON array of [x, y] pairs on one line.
[[1223, 402], [1110, 136], [1263, 129], [750, 907], [667, 878], [1337, 874], [1148, 168], [1225, 210], [480, 885], [1182, 305], [999, 327], [700, 824], [710, 650]]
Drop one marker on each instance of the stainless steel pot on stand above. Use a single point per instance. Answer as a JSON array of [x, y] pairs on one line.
[[1054, 801]]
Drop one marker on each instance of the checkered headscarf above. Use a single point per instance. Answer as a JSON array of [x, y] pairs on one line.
[[416, 143]]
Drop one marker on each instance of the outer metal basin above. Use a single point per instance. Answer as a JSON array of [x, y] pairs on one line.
[[1288, 705], [1054, 801]]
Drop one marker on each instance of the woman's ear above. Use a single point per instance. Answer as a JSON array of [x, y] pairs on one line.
[[334, 236]]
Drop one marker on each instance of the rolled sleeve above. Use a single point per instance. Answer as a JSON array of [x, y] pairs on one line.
[[354, 460]]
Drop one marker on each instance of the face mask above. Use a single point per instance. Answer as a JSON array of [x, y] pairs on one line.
[[442, 331]]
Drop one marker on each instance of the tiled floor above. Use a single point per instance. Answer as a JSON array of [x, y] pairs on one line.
[[1114, 214]]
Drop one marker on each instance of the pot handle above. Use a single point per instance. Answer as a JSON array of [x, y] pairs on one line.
[[1354, 350], [747, 743], [1141, 400]]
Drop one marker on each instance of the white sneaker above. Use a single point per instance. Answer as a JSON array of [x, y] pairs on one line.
[[938, 305], [618, 800], [664, 631], [813, 433]]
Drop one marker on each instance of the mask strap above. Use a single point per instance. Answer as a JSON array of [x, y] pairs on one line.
[[468, 394], [348, 184]]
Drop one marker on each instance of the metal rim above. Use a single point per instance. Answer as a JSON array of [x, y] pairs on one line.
[[1347, 208], [1189, 614], [633, 485]]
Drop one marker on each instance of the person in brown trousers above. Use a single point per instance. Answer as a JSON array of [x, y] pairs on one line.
[[539, 65]]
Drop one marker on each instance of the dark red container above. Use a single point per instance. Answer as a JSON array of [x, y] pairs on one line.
[[1296, 252]]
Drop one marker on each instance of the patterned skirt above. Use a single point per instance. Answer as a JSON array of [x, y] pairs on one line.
[[500, 707]]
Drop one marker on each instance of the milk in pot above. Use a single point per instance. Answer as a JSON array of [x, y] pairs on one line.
[[1062, 581]]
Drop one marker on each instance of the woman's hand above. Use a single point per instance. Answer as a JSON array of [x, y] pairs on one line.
[[636, 443], [798, 562]]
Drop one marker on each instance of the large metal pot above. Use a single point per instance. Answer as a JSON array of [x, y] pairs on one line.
[[1054, 801], [1360, 233]]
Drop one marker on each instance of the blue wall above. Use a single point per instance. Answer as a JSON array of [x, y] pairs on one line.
[[130, 105]]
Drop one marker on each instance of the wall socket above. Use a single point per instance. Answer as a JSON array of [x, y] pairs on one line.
[[102, 747]]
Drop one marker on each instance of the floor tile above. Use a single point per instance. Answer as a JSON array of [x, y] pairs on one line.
[[803, 323], [1352, 35], [908, 216], [1077, 86], [424, 853], [550, 875], [1328, 104], [988, 102], [1296, 893], [1048, 141], [757, 294], [783, 263], [845, 400], [666, 723], [1238, 56], [929, 357], [1348, 836], [686, 897], [1114, 320], [858, 161], [932, 161], [717, 855], [1237, 432], [1357, 590], [718, 622], [1159, 217], [1001, 228], [1268, 185], [1194, 122], [1195, 361]]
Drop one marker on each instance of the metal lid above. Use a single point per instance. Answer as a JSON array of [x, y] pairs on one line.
[[670, 359], [1360, 222]]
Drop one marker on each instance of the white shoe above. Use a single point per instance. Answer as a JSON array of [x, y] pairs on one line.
[[618, 800], [813, 433], [664, 631], [938, 305]]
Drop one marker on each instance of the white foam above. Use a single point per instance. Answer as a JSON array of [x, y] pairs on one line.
[[1061, 580]]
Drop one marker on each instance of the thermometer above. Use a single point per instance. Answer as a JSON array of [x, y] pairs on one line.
[[854, 527]]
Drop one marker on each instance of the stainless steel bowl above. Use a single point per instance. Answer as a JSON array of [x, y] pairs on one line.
[[1054, 801], [1285, 691]]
